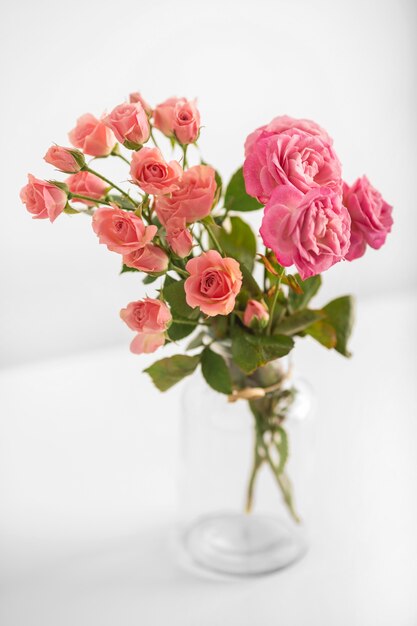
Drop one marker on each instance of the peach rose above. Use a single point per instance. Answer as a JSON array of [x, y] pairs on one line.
[[152, 173], [179, 237], [213, 284], [129, 122], [310, 231], [137, 97], [146, 343], [147, 315], [194, 197], [86, 184], [370, 214], [65, 159], [178, 117], [42, 199], [92, 136], [150, 259], [255, 314], [121, 231]]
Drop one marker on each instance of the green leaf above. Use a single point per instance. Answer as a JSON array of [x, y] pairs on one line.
[[178, 331], [197, 341], [121, 201], [169, 371], [310, 287], [70, 211], [215, 371], [282, 449], [236, 198], [297, 322], [239, 242], [252, 351], [340, 314], [126, 268], [174, 294], [150, 278], [249, 282], [323, 332]]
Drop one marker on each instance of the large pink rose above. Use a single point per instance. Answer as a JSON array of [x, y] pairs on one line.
[[42, 199], [92, 136], [193, 199], [86, 184], [256, 314], [178, 117], [283, 123], [291, 157], [213, 284], [179, 237], [137, 97], [310, 231], [121, 231], [129, 122], [370, 214], [147, 315], [152, 173], [150, 259], [65, 159]]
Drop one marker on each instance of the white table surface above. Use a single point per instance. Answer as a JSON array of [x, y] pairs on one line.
[[88, 451]]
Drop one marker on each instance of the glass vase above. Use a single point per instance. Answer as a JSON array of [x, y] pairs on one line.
[[240, 516]]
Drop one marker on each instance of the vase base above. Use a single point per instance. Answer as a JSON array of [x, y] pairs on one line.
[[243, 545]]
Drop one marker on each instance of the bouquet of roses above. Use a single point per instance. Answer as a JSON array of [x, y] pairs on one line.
[[183, 232]]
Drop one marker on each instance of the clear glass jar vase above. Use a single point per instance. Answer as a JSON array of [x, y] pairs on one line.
[[238, 511]]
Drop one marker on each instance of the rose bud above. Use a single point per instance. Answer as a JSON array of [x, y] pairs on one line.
[[370, 215], [121, 231], [256, 315], [137, 97], [87, 184], [194, 197], [42, 199], [92, 136], [129, 123], [153, 174], [150, 259], [67, 160], [179, 237], [178, 117], [310, 231], [213, 284]]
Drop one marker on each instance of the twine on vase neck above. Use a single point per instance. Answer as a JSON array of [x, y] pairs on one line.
[[255, 393]]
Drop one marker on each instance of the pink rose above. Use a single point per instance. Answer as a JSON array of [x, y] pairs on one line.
[[65, 159], [291, 157], [129, 122], [179, 117], [147, 316], [194, 197], [121, 231], [147, 343], [311, 231], [370, 214], [86, 184], [137, 97], [152, 173], [150, 258], [179, 237], [42, 199], [255, 314], [282, 123], [213, 284], [92, 136]]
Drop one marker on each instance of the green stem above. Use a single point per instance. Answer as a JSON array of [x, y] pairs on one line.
[[117, 154], [93, 200], [283, 484], [153, 139], [274, 302], [113, 185], [184, 149], [213, 238], [257, 463], [179, 270], [190, 323]]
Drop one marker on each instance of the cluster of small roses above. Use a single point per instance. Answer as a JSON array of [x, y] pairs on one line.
[[312, 219]]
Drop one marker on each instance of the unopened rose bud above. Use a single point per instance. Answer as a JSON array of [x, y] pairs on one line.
[[67, 160], [255, 315]]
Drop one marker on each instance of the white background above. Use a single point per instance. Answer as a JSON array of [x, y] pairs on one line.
[[88, 448], [348, 65]]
